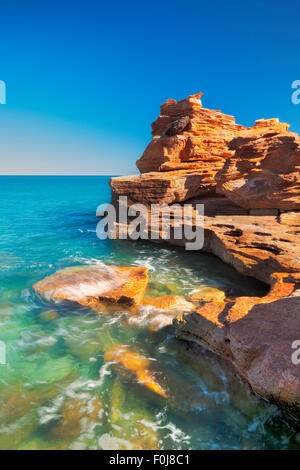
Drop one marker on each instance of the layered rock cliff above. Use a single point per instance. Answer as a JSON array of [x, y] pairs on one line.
[[248, 180]]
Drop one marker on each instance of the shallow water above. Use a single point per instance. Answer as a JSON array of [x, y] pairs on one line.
[[56, 391]]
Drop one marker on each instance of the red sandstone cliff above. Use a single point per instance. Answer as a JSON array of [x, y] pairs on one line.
[[249, 182]]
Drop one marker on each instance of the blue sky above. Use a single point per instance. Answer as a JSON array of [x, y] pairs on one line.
[[85, 79]]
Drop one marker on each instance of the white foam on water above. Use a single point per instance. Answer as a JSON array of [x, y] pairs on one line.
[[176, 434], [109, 442]]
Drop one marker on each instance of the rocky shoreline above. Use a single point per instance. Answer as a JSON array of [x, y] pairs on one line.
[[249, 182]]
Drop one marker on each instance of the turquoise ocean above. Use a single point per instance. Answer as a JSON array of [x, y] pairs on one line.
[[56, 391]]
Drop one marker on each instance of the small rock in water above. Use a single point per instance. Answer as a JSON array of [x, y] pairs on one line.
[[95, 286], [49, 316], [12, 435], [207, 294], [169, 302], [136, 364], [117, 401]]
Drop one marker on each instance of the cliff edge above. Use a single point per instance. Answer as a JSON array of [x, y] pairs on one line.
[[249, 182]]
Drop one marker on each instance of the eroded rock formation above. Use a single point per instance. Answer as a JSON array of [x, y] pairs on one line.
[[264, 172], [248, 180], [186, 135]]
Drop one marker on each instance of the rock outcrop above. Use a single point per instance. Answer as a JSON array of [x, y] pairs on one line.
[[164, 187], [186, 135], [264, 172], [248, 180], [256, 335]]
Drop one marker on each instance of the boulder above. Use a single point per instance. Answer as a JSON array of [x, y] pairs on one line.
[[96, 286]]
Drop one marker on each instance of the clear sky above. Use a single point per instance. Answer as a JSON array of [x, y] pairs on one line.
[[86, 78]]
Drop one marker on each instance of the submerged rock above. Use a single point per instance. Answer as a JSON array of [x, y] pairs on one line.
[[96, 286], [118, 397], [169, 302], [136, 364], [207, 294], [78, 415], [131, 423], [13, 434]]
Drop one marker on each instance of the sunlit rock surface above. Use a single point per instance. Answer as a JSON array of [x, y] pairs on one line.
[[164, 187], [264, 172], [96, 286], [207, 294], [169, 302], [191, 144], [200, 141]]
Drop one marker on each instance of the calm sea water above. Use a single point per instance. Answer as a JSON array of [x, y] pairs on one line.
[[56, 392]]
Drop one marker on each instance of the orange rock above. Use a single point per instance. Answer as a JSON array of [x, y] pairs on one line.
[[192, 148], [203, 140], [165, 187], [94, 286], [169, 302], [207, 294], [137, 364], [264, 172], [255, 246]]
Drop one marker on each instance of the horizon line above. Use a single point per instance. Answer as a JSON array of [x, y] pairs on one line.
[[61, 174]]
